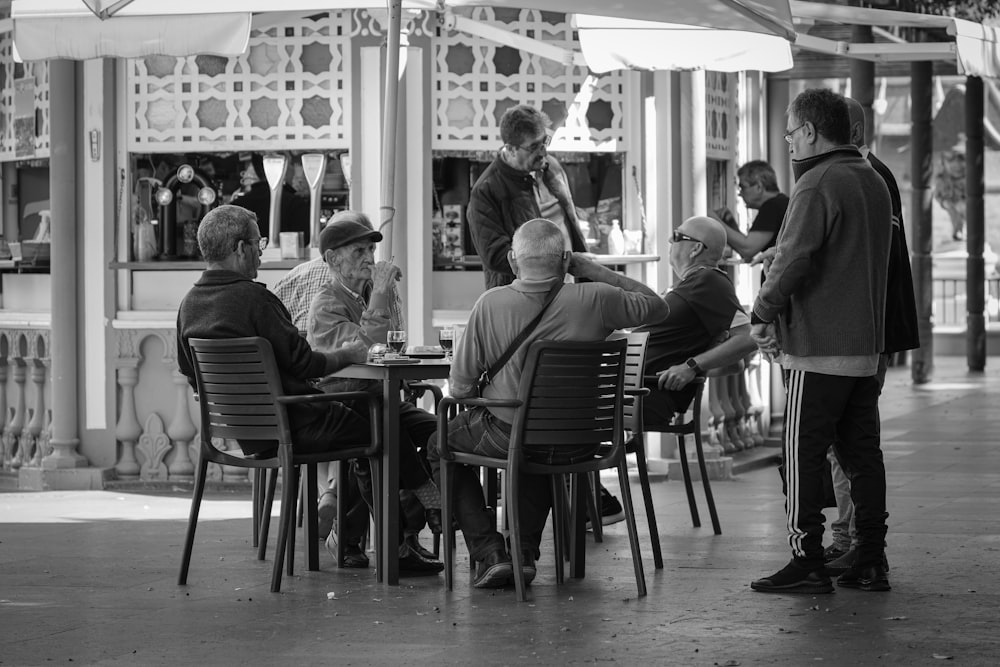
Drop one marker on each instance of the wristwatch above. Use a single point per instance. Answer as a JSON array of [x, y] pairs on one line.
[[693, 365]]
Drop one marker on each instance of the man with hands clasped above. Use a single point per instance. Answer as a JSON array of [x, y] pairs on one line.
[[823, 309]]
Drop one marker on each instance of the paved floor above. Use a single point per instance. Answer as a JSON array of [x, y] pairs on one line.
[[89, 577]]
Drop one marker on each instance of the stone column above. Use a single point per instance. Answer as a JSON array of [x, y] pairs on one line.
[[65, 334], [975, 225], [921, 151]]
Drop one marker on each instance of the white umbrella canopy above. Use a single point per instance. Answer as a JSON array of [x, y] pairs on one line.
[[762, 17]]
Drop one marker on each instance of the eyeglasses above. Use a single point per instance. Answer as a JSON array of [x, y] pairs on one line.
[[261, 242], [679, 236], [538, 145], [791, 133], [744, 186]]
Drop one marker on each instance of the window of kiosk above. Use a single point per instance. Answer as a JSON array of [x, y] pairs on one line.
[[171, 193], [25, 243]]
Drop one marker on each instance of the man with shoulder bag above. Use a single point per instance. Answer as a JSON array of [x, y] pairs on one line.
[[488, 362]]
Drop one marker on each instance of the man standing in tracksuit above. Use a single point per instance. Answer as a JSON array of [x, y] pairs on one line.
[[822, 309]]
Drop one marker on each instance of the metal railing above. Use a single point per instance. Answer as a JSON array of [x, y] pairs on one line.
[[949, 301]]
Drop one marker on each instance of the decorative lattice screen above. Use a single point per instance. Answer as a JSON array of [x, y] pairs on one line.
[[291, 90], [24, 106], [475, 80]]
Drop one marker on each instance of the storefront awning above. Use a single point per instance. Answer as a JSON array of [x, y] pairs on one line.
[[128, 28], [86, 36], [610, 44], [975, 49]]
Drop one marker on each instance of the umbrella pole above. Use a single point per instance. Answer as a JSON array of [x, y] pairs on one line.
[[389, 124]]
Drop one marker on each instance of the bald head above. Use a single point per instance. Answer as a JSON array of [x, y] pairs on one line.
[[857, 113], [710, 232]]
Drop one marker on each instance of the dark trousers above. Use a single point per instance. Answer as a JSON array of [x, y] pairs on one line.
[[416, 426], [477, 431], [821, 409], [318, 428]]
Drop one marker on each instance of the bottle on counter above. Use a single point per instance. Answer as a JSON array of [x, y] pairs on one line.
[[616, 239]]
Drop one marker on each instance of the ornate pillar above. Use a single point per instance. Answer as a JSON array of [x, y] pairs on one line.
[[12, 431], [128, 429], [181, 429], [31, 452], [3, 399]]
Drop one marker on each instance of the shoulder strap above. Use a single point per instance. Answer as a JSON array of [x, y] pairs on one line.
[[488, 376]]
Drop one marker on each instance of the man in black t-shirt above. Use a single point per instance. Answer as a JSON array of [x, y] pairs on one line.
[[706, 327], [758, 187]]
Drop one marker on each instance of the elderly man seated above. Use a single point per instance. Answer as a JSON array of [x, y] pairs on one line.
[[358, 305], [297, 289], [706, 328], [584, 311]]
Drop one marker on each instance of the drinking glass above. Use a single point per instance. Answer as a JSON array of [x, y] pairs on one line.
[[397, 341], [447, 339]]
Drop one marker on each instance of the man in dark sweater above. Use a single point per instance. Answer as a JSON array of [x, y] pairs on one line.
[[822, 309], [226, 302]]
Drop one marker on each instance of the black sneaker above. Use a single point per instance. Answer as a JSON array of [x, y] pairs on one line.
[[494, 571], [794, 579], [838, 566], [867, 578], [833, 552], [611, 509]]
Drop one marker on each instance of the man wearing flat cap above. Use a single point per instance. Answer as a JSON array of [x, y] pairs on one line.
[[345, 312]]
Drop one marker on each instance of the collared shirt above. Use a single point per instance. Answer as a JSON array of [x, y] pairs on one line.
[[299, 287]]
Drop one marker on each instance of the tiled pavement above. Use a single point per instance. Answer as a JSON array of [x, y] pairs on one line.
[[90, 577]]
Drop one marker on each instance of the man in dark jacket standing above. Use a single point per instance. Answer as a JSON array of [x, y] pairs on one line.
[[524, 182], [822, 309], [900, 334]]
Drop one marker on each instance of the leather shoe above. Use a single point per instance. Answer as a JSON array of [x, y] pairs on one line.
[[867, 578], [494, 571], [413, 541], [433, 518], [528, 566], [412, 564]]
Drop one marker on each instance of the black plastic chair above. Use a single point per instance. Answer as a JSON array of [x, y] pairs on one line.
[[571, 394], [635, 364], [681, 427], [240, 397]]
